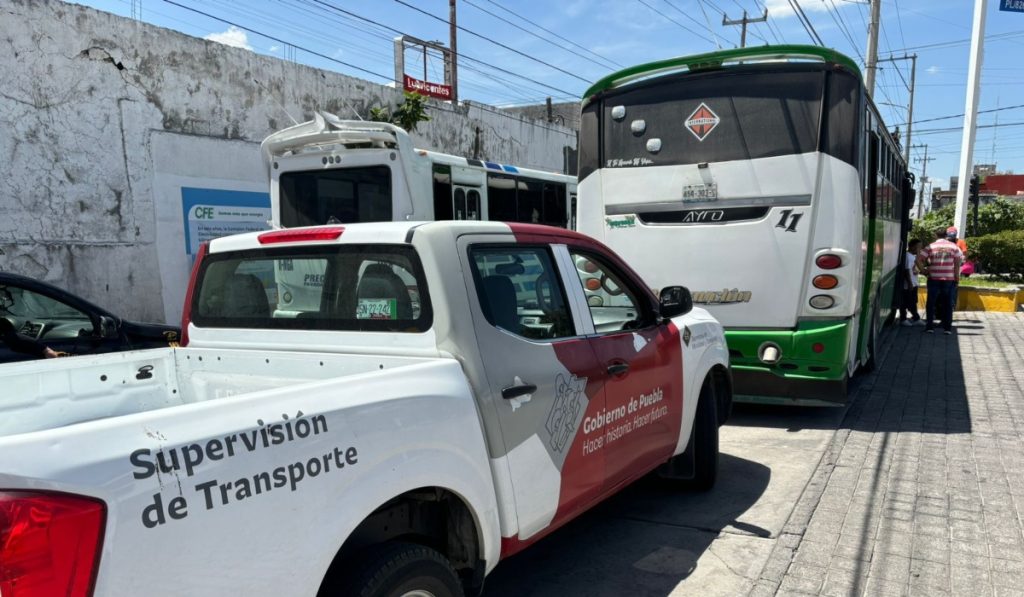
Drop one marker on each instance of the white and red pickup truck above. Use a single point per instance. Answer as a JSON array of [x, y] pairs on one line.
[[374, 409]]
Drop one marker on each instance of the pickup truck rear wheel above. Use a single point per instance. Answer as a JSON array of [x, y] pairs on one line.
[[405, 570]]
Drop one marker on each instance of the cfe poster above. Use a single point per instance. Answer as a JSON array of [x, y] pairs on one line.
[[212, 213]]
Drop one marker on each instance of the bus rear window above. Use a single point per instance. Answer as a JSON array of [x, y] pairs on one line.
[[349, 287], [344, 195], [712, 117]]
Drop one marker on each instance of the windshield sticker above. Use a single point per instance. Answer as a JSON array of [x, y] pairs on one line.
[[702, 121], [624, 162], [621, 222], [377, 308]]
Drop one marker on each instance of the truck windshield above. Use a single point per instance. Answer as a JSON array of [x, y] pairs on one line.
[[342, 195], [349, 287]]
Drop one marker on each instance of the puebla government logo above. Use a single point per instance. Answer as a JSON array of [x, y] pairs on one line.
[[702, 121]]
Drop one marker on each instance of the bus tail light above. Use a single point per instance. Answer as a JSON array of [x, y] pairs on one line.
[[296, 235], [825, 282], [818, 347], [828, 261], [822, 301], [593, 284], [186, 310], [49, 543]]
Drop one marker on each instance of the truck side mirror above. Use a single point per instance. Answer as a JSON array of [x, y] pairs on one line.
[[108, 327], [674, 301]]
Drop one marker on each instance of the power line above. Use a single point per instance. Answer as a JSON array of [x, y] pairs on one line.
[[840, 20], [497, 43], [665, 16], [960, 42], [534, 34], [806, 22], [707, 23], [952, 116], [958, 129], [460, 55], [542, 28], [261, 34]]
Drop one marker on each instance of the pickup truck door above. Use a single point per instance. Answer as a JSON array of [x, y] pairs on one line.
[[542, 377], [642, 364]]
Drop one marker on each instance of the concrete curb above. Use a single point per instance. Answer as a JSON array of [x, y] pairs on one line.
[[781, 556]]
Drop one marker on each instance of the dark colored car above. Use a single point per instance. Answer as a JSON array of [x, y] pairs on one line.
[[46, 315]]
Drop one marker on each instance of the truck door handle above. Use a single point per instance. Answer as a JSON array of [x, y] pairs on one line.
[[618, 368], [517, 391]]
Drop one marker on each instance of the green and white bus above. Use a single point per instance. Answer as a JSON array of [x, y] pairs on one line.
[[765, 180]]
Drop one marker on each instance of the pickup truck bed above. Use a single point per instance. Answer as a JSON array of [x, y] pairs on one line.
[[38, 396]]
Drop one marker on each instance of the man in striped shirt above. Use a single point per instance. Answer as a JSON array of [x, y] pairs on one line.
[[940, 261]]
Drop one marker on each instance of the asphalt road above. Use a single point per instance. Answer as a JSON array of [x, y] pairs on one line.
[[653, 539]]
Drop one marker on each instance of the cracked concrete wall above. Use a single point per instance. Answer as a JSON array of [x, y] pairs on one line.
[[84, 92]]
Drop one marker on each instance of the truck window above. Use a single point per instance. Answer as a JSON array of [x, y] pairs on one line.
[[613, 305], [350, 287], [520, 291]]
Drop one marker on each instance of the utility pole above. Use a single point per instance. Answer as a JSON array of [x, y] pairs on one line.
[[970, 114], [452, 38], [910, 109], [872, 60], [924, 178], [743, 23]]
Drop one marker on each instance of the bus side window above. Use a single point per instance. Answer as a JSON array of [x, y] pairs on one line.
[[529, 201], [473, 205], [442, 192], [501, 198], [554, 205]]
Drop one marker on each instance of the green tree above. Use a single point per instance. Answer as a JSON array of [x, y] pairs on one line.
[[408, 114], [997, 216]]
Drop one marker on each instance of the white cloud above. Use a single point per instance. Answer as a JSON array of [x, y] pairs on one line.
[[275, 48], [780, 9], [233, 37], [575, 9], [932, 70]]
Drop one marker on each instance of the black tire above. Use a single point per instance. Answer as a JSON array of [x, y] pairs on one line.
[[395, 569], [869, 365], [705, 442]]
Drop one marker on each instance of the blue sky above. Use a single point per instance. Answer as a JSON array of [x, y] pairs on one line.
[[615, 33]]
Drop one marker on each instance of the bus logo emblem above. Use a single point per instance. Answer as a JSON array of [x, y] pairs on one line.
[[702, 121]]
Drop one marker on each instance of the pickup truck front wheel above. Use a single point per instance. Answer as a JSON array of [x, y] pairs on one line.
[[697, 468], [405, 570]]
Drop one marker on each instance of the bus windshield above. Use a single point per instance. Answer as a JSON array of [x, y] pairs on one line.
[[342, 195], [713, 117]]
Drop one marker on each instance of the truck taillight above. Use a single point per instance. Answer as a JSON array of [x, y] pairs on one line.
[[186, 309], [295, 235], [49, 543]]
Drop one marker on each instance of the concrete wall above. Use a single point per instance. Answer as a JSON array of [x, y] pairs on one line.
[[103, 120]]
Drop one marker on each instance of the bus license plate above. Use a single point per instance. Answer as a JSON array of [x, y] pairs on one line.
[[700, 192]]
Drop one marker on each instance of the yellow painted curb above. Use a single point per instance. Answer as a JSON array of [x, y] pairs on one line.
[[972, 298]]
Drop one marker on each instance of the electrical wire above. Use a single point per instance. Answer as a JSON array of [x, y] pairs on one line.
[[534, 34], [666, 17], [795, 4], [495, 42], [542, 28]]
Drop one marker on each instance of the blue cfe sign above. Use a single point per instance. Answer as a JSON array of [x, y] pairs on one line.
[[1011, 5]]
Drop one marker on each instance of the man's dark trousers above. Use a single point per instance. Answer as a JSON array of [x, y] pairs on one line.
[[940, 296]]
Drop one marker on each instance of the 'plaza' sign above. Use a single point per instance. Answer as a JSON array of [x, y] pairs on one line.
[[1011, 5]]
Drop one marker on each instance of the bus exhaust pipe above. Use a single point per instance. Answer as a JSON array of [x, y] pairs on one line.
[[769, 353]]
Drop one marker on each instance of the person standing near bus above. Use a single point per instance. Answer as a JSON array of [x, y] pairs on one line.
[[951, 236], [909, 298], [940, 261]]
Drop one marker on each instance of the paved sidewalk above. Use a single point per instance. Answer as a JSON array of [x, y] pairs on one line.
[[921, 491]]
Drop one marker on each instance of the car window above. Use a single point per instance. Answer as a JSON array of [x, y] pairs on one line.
[[353, 287], [520, 291], [39, 316], [613, 305]]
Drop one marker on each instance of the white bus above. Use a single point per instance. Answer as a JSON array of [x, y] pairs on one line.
[[333, 170], [765, 180]]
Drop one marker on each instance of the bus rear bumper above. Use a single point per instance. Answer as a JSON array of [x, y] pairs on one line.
[[812, 368], [767, 387]]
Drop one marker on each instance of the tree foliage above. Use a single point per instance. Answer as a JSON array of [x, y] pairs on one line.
[[408, 114], [1001, 253], [997, 216]]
